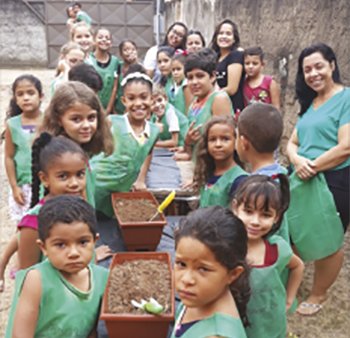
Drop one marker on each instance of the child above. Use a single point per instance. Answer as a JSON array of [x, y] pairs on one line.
[[217, 175], [180, 95], [211, 275], [134, 139], [200, 73], [82, 35], [257, 86], [24, 117], [164, 58], [260, 203], [80, 15], [195, 41], [128, 53], [173, 124], [71, 54], [86, 74], [61, 296], [76, 112], [106, 65]]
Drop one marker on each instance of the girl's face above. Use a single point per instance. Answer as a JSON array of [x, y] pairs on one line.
[[200, 280], [164, 63], [221, 142], [318, 72], [27, 97], [194, 43], [159, 103], [176, 36], [253, 66], [83, 37], [225, 38], [257, 221], [79, 122], [129, 53], [137, 99], [74, 57], [103, 40], [177, 71], [69, 247], [200, 82], [65, 175]]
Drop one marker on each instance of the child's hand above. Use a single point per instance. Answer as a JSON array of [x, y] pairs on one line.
[[139, 186], [181, 156], [289, 304], [103, 252], [193, 134], [18, 195]]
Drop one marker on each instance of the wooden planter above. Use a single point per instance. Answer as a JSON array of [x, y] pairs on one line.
[[137, 326], [142, 235]]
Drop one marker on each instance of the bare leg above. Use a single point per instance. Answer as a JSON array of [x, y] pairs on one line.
[[10, 249]]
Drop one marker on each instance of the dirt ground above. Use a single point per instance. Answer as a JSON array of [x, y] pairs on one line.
[[331, 322]]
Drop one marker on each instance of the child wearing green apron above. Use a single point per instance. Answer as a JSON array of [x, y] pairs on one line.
[[217, 175], [48, 293], [211, 275], [260, 203]]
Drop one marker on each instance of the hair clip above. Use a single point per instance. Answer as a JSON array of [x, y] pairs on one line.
[[136, 75], [274, 177], [181, 52]]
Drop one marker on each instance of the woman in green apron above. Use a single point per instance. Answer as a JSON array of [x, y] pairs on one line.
[[319, 150]]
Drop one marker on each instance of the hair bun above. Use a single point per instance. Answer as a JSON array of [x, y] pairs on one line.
[[44, 139]]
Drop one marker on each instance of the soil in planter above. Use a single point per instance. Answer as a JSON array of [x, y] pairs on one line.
[[139, 279], [136, 210]]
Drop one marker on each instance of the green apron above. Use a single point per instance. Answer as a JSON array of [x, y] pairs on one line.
[[314, 224], [90, 186], [219, 324], [178, 99], [118, 172], [64, 310], [22, 141], [219, 193], [107, 75], [266, 308]]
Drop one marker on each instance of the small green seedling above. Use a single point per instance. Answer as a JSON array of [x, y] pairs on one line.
[[152, 306]]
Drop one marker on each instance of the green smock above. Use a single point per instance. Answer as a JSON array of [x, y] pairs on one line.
[[118, 172], [64, 310], [219, 193], [266, 308], [178, 99]]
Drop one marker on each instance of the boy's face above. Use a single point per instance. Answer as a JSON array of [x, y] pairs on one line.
[[159, 103], [69, 247], [253, 65], [200, 82]]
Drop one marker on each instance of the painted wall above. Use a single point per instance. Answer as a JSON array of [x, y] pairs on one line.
[[22, 36]]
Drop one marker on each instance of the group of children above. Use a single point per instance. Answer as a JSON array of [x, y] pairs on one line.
[[235, 272]]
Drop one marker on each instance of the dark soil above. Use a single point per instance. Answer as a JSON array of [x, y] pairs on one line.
[[139, 279], [136, 210]]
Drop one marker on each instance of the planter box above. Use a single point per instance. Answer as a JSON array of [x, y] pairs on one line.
[[137, 326], [140, 235]]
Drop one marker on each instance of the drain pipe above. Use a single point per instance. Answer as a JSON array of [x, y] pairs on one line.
[[157, 22]]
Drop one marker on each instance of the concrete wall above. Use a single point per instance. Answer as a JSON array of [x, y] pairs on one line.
[[281, 27], [22, 36]]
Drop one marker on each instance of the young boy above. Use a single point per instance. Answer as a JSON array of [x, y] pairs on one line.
[[80, 15], [259, 131], [173, 124], [60, 297], [257, 86]]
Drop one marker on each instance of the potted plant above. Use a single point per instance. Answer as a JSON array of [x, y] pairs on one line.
[[134, 211], [135, 276]]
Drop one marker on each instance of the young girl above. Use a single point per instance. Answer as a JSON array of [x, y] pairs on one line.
[[195, 41], [134, 138], [65, 283], [229, 68], [257, 86], [76, 112], [164, 58], [71, 54], [217, 175], [128, 53], [106, 65], [24, 117], [211, 275], [179, 95], [260, 203], [82, 35]]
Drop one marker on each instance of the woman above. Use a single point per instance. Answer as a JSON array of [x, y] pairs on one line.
[[319, 149], [230, 66], [175, 37]]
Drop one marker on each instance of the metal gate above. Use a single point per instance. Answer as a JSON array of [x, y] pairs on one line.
[[124, 19]]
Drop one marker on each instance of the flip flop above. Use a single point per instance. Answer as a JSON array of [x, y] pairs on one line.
[[308, 309]]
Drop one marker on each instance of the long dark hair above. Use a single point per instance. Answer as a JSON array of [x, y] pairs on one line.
[[304, 93], [183, 42], [235, 45], [225, 236]]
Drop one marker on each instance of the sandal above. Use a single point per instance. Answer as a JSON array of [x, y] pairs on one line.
[[308, 309]]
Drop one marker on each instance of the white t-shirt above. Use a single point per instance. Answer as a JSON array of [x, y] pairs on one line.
[[172, 120]]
